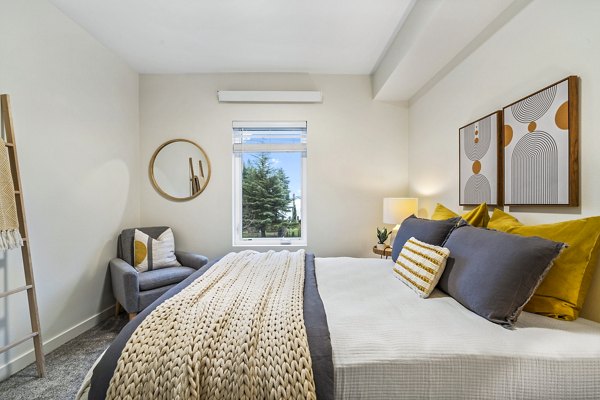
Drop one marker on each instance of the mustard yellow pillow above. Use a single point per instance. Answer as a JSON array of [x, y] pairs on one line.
[[562, 293], [478, 216]]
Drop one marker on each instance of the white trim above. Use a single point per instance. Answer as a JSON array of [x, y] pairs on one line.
[[304, 215], [237, 240], [269, 96], [268, 148], [237, 194], [23, 360], [270, 243], [236, 203]]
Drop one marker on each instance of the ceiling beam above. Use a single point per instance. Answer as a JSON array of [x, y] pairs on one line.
[[502, 19], [436, 37], [414, 24]]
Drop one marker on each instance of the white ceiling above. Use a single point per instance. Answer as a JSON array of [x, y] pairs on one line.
[[203, 36], [434, 35], [406, 45]]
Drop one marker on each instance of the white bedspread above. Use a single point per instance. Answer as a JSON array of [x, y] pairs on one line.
[[390, 344]]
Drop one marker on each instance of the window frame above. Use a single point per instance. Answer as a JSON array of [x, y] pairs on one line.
[[237, 168]]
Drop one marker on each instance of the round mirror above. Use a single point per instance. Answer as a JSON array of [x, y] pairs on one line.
[[179, 170]]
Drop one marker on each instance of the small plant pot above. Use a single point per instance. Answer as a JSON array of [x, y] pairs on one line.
[[380, 246]]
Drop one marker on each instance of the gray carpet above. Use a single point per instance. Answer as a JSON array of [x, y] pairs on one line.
[[66, 366]]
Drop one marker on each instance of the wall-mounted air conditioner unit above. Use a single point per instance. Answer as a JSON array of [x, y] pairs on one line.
[[269, 96]]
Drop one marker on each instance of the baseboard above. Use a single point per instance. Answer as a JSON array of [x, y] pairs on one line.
[[20, 362]]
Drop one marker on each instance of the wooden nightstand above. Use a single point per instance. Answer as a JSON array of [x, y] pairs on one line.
[[387, 252]]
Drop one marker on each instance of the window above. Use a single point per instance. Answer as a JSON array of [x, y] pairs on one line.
[[269, 193]]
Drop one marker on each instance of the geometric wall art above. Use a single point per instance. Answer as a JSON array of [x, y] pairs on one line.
[[540, 138], [480, 172]]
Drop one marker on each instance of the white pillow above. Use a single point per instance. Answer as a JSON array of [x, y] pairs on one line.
[[149, 253], [420, 265]]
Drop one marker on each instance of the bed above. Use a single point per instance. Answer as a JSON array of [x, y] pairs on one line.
[[385, 343], [388, 343]]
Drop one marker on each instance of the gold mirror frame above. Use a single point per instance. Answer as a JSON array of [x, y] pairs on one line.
[[153, 178]]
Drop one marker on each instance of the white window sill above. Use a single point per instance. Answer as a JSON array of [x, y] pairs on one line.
[[269, 243]]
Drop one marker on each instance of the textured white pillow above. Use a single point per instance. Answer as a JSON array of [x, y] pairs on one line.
[[420, 265], [149, 253]]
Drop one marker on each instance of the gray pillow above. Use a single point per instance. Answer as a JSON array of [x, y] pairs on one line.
[[494, 273], [425, 230]]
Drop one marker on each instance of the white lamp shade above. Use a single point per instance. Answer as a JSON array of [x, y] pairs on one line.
[[397, 209]]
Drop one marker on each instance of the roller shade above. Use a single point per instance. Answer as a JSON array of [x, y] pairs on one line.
[[258, 137]]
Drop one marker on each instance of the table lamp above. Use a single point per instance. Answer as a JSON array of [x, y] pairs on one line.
[[397, 209]]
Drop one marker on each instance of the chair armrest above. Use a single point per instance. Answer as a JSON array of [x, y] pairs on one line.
[[192, 260], [125, 284]]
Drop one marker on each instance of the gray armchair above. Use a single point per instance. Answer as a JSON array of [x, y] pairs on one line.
[[134, 290]]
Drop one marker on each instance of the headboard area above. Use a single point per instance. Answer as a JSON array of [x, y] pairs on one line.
[[591, 306], [571, 288]]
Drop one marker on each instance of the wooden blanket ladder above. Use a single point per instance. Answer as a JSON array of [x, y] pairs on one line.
[[25, 250]]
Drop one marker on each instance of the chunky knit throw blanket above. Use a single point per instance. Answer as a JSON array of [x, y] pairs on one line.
[[10, 237], [236, 332]]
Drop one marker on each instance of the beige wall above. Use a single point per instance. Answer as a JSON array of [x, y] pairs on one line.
[[76, 116], [546, 42], [84, 149], [356, 155]]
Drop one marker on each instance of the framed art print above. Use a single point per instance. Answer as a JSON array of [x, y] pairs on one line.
[[480, 172], [541, 155]]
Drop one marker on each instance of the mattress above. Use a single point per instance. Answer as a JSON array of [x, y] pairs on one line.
[[389, 343]]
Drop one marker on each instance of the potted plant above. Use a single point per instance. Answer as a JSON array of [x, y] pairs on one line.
[[382, 235]]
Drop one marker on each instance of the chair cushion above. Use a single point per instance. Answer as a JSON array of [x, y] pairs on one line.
[[163, 277], [148, 297], [125, 242]]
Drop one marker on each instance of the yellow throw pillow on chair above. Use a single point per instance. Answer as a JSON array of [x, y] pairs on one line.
[[477, 217], [562, 292]]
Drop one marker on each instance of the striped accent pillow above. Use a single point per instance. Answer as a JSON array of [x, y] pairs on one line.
[[149, 253], [420, 265]]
